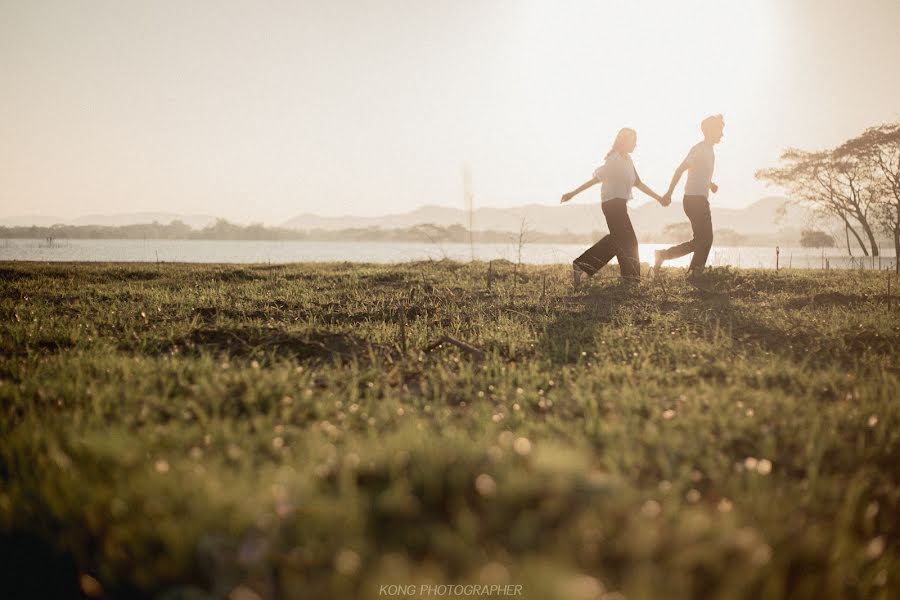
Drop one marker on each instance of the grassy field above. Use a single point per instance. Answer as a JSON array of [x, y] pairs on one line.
[[184, 431]]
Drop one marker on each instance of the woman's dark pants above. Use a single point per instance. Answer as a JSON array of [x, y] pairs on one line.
[[621, 242], [697, 210]]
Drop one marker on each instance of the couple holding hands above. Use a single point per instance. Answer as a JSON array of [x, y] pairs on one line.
[[617, 176]]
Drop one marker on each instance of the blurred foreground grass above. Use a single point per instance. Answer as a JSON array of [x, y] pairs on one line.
[[185, 431]]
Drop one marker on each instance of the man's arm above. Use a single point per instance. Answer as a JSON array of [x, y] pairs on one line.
[[684, 166], [676, 177]]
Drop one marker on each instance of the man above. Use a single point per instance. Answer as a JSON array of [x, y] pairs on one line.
[[699, 164]]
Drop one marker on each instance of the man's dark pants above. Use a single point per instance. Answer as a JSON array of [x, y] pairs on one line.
[[697, 210], [621, 242]]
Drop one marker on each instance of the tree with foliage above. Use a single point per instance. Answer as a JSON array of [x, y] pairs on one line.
[[835, 185], [879, 148], [813, 238], [677, 231]]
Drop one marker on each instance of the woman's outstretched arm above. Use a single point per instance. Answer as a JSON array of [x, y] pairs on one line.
[[569, 195]]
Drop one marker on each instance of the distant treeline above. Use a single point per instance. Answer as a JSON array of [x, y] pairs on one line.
[[224, 230]]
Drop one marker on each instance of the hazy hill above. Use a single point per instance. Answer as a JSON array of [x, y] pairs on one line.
[[769, 217], [29, 220], [761, 217], [195, 221]]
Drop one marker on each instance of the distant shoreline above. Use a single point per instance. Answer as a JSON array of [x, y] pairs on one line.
[[419, 234], [279, 252], [504, 239]]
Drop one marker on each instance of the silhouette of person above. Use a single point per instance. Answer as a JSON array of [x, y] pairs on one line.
[[617, 176], [699, 164]]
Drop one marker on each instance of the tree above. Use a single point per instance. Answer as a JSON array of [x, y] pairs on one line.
[[524, 237], [813, 238], [677, 232], [879, 148], [730, 237], [178, 229], [833, 184], [857, 186]]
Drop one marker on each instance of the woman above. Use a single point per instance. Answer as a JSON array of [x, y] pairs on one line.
[[617, 176]]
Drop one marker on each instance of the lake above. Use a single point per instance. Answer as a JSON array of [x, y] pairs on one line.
[[215, 251]]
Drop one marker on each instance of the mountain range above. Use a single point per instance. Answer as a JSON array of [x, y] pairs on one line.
[[767, 216], [770, 216]]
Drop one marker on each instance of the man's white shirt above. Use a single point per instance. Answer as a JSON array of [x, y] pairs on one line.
[[700, 162]]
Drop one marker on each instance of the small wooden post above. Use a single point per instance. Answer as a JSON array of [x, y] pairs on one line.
[[490, 273], [777, 254], [889, 290], [544, 287]]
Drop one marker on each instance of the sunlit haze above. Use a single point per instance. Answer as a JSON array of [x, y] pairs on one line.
[[262, 111]]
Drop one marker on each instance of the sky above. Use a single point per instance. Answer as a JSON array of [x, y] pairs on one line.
[[261, 111]]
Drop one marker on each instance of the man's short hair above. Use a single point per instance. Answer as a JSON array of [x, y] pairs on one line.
[[712, 124]]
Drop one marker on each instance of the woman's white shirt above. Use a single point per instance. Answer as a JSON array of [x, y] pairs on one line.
[[616, 176]]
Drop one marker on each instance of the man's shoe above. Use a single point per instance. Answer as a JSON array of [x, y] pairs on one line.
[[696, 277], [695, 272]]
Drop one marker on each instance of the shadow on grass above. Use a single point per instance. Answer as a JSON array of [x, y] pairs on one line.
[[713, 315], [731, 310], [261, 342], [573, 329]]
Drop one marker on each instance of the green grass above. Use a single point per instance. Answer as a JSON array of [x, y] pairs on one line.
[[188, 431]]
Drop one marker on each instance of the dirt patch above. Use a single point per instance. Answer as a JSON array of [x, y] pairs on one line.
[[276, 310], [262, 341], [334, 313], [867, 340], [236, 275], [128, 275], [390, 279], [12, 275], [207, 314], [40, 346]]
